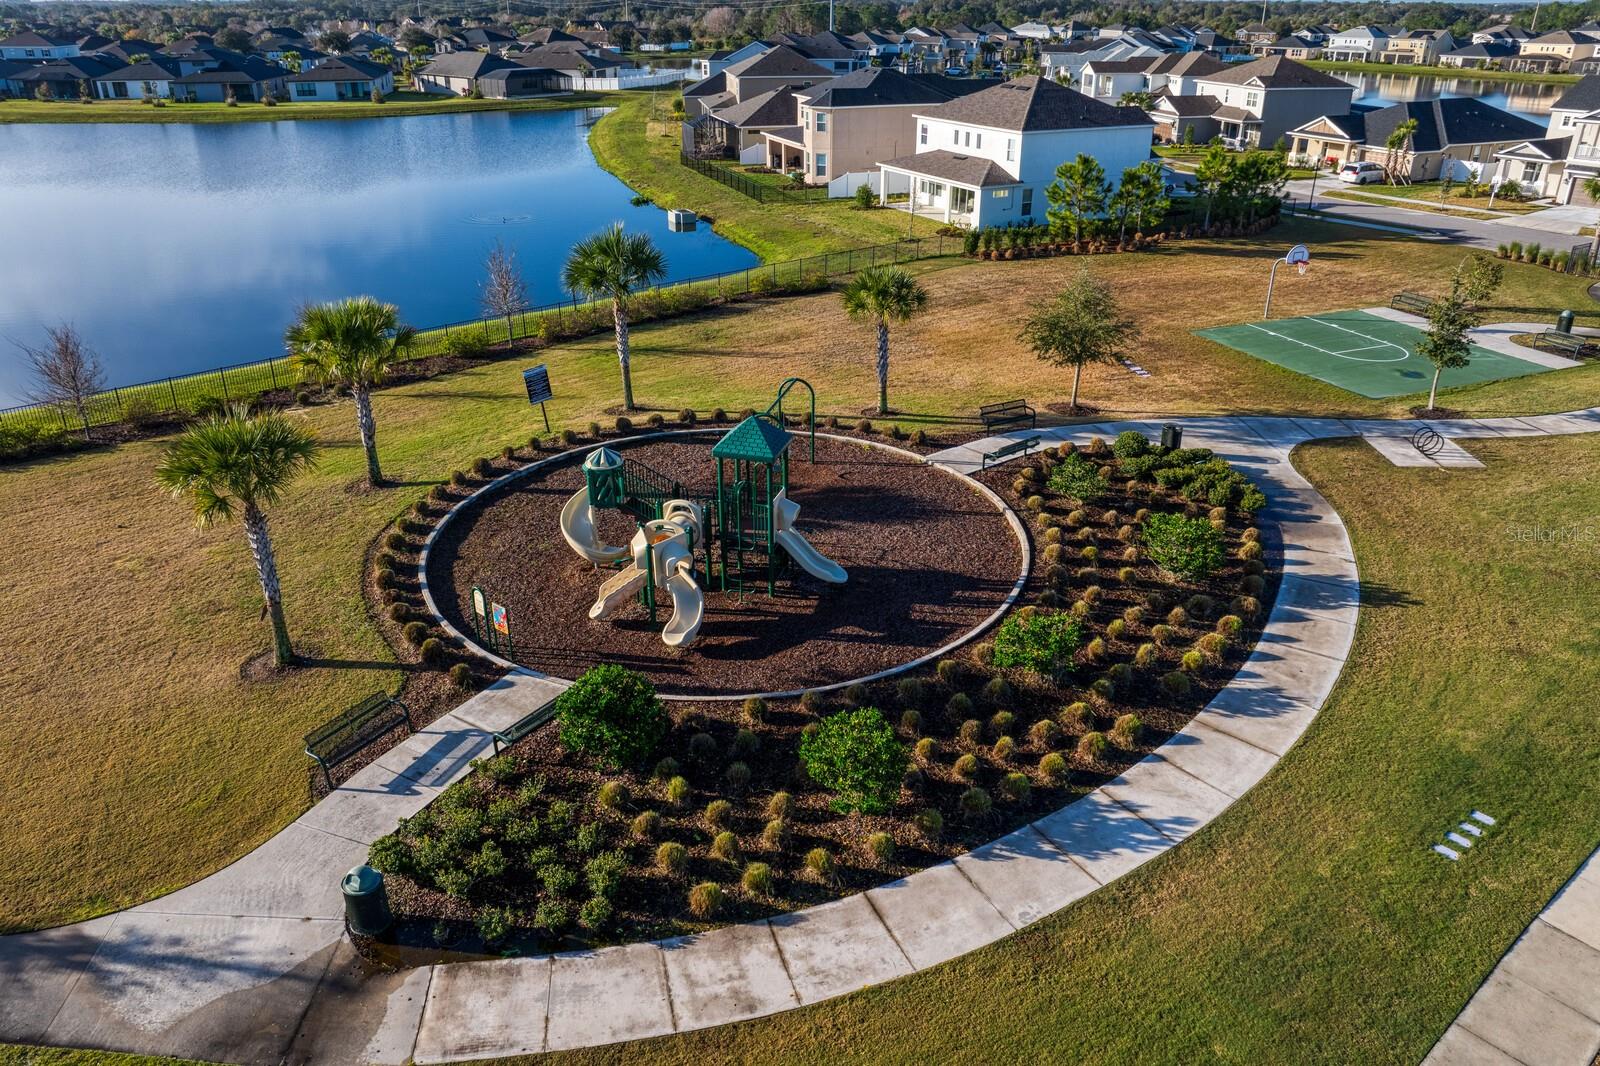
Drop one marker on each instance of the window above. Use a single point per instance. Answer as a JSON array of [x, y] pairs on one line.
[[822, 122], [1530, 173], [922, 138], [805, 118], [119, 89], [822, 164], [955, 137], [1011, 149], [1027, 201], [980, 141], [1252, 99], [1002, 194], [305, 88]]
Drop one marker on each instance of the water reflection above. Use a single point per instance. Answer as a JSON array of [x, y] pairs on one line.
[[1529, 99]]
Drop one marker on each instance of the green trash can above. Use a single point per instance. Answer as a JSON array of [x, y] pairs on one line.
[[1564, 322], [1171, 436], [366, 901]]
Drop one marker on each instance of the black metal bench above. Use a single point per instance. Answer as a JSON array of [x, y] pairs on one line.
[[331, 744], [525, 725], [1006, 451], [1414, 302], [1554, 340], [1008, 413]]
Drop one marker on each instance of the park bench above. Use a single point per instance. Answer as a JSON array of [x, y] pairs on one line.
[[331, 744], [1414, 302], [1554, 340], [1005, 451], [525, 725], [1008, 413]]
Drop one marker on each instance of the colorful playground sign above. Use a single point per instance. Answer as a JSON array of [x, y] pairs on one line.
[[502, 621], [536, 379], [491, 622]]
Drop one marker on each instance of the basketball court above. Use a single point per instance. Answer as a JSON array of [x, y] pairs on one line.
[[1360, 352]]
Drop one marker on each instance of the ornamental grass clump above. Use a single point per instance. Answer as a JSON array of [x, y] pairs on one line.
[[966, 766], [717, 813], [1015, 787], [1091, 746], [725, 847], [757, 879], [975, 803], [646, 826], [705, 900], [780, 805], [820, 865], [930, 823], [1127, 731], [1189, 548], [611, 795], [1038, 644], [1053, 768], [672, 857], [775, 834]]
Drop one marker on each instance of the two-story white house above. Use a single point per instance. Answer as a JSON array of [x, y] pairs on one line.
[[1358, 44], [31, 45], [986, 159], [1108, 79]]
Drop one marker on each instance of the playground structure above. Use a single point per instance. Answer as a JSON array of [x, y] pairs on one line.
[[744, 525]]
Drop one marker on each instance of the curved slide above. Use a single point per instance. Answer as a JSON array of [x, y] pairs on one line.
[[813, 562], [577, 527], [688, 606]]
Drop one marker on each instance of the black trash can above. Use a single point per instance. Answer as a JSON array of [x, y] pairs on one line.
[[366, 901], [1171, 436], [1564, 322]]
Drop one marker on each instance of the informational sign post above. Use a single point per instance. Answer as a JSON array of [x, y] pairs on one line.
[[536, 379]]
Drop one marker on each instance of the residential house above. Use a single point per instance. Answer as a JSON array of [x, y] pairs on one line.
[[545, 35], [364, 43], [706, 95], [340, 78], [31, 45], [1038, 31], [570, 63], [720, 61], [1256, 35], [738, 128], [1108, 79], [1417, 47], [457, 73], [488, 38], [246, 79], [1358, 44], [1264, 99], [148, 79], [987, 158], [777, 68], [67, 78], [125, 50], [1065, 64], [1501, 33], [1192, 118], [1480, 55], [1559, 164], [514, 82], [1455, 138], [833, 52], [1293, 48], [1554, 51], [1178, 75], [851, 123]]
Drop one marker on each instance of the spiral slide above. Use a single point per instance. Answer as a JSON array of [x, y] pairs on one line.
[[813, 562], [577, 527]]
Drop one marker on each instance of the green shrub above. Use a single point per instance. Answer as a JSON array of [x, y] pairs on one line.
[[612, 714], [1002, 722], [666, 769], [717, 812], [1193, 661], [1229, 625], [975, 803], [930, 823], [1044, 733], [467, 343], [755, 710], [705, 900], [1039, 643], [855, 755], [959, 704], [603, 873], [432, 651], [1004, 748], [1188, 547], [745, 744], [820, 864], [1076, 478], [595, 914], [1130, 444], [678, 791], [911, 721], [1015, 787], [552, 915], [725, 847], [1127, 731], [1091, 746], [966, 766], [780, 805], [494, 924], [737, 776], [757, 879], [415, 633], [461, 676], [1176, 683], [775, 834], [702, 747], [672, 857], [971, 731], [646, 825], [1053, 767]]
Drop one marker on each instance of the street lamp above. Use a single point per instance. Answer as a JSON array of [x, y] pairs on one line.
[[1299, 257]]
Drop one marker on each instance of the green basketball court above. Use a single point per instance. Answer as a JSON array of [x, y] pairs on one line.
[[1363, 353]]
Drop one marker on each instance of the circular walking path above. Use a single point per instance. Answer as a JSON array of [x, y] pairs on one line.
[[251, 964]]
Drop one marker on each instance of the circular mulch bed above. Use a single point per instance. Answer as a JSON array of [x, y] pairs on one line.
[[929, 559]]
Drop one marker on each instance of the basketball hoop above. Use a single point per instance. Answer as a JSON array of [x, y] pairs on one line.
[[1298, 257], [1301, 268]]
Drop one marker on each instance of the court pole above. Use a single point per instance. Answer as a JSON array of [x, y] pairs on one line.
[[1272, 278]]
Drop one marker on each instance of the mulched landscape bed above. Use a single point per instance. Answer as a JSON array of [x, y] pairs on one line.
[[928, 559], [515, 857]]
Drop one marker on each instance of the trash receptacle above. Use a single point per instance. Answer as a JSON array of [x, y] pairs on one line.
[[1564, 322], [366, 901], [1171, 436]]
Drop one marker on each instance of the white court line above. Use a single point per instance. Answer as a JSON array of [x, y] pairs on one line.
[[1327, 351], [1405, 353]]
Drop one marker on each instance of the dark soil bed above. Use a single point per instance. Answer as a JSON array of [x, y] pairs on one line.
[[929, 558]]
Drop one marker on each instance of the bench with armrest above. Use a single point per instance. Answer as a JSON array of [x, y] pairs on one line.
[[1008, 413], [1556, 340], [1414, 302], [331, 744], [1022, 446], [525, 725]]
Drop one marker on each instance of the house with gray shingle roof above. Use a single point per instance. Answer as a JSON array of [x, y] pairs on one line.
[[1454, 137], [985, 159], [1266, 98]]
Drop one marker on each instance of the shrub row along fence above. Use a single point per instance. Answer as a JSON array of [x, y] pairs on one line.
[[211, 390], [765, 192]]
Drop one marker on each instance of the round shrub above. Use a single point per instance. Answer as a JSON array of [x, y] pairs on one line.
[[686, 416], [911, 691], [461, 676], [595, 914], [1176, 683], [666, 769], [1127, 731], [959, 704], [725, 847], [672, 857], [930, 823], [966, 766], [677, 791], [624, 424], [855, 755], [399, 612], [924, 749], [1250, 549], [459, 478], [757, 879], [702, 747], [1229, 625], [1052, 767], [655, 420], [1095, 649], [646, 826], [1177, 616], [911, 721], [949, 671], [705, 900], [820, 865], [1133, 615], [1193, 661], [1015, 788], [812, 702], [1161, 634], [611, 795], [1002, 722], [716, 813], [1091, 746], [857, 695], [432, 651], [1246, 606], [998, 691], [395, 541], [971, 731], [1004, 748], [482, 467], [880, 846], [755, 710], [775, 834], [1115, 629], [1075, 716], [1212, 645], [1188, 547], [612, 714], [1253, 585], [1144, 655], [737, 776], [1104, 688], [975, 803], [745, 744], [864, 427]]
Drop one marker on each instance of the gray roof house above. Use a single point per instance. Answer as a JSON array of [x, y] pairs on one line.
[[1454, 137]]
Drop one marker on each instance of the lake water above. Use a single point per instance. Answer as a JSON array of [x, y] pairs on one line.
[[1530, 100], [175, 248]]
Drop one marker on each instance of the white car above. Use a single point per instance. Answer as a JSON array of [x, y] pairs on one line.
[[1361, 173]]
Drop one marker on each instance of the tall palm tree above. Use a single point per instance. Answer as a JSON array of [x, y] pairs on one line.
[[353, 343], [881, 295], [236, 464], [613, 264]]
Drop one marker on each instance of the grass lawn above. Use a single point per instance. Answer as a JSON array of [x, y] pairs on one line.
[[150, 763], [21, 1055], [1311, 924], [397, 105], [639, 143], [1338, 192], [1442, 72], [1428, 192]]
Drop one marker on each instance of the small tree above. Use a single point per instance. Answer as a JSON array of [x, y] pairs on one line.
[[613, 264], [1082, 325], [866, 199], [1146, 194], [504, 293], [881, 295], [67, 373], [1077, 194], [1444, 342], [855, 754], [1211, 174], [612, 714], [237, 464]]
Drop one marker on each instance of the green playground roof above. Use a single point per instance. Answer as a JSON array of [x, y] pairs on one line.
[[755, 440]]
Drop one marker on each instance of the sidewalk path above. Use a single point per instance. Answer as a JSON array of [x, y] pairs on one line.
[[250, 965]]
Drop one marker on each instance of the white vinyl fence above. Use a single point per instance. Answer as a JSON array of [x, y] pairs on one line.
[[632, 79]]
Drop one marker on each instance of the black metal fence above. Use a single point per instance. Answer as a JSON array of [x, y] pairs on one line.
[[765, 192], [198, 393]]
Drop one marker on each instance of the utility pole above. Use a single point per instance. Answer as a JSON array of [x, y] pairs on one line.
[[830, 16], [1534, 27]]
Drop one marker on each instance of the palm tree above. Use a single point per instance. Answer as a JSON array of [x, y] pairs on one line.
[[234, 463], [614, 264], [352, 343], [881, 295]]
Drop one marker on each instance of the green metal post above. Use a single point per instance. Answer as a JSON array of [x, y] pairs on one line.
[[772, 559]]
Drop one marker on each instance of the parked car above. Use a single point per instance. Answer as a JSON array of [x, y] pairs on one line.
[[1361, 173]]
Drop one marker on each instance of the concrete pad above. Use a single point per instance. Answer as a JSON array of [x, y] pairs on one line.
[[484, 1010], [726, 975], [1576, 909], [1224, 762], [1558, 425], [1290, 668], [1025, 876], [937, 914], [294, 875], [361, 1016], [1169, 799], [437, 755], [1512, 426], [37, 972], [602, 997], [369, 805], [1312, 533], [1558, 965], [1528, 1025], [1399, 451], [837, 948], [1102, 836], [217, 988], [1452, 456], [1460, 1048], [513, 697]]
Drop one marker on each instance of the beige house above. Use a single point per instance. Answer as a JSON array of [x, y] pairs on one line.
[[1456, 138], [1557, 49], [777, 68], [1419, 47]]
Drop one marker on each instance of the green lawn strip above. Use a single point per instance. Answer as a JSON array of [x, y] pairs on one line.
[[1428, 192], [25, 1055], [397, 105], [641, 147], [1412, 69], [1419, 205], [1311, 923]]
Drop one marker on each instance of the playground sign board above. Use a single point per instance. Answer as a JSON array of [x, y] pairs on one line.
[[536, 379], [491, 622]]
